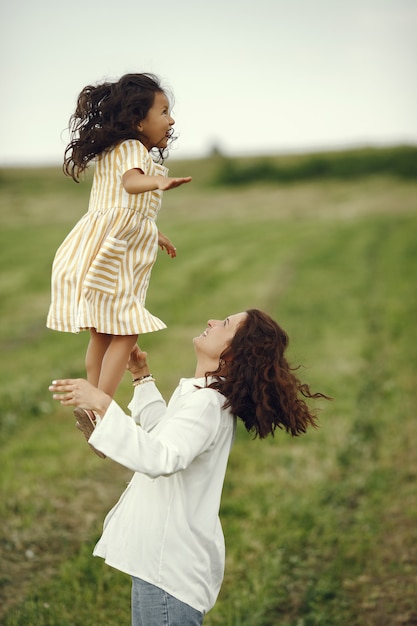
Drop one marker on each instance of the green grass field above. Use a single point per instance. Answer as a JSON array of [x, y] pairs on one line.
[[321, 530]]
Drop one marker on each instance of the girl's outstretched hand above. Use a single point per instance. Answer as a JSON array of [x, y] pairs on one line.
[[135, 181], [165, 244], [170, 183], [78, 392]]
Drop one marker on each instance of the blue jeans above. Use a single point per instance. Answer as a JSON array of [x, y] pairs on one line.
[[152, 606]]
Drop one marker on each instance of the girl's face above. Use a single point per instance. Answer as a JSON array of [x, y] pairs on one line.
[[217, 336], [156, 127]]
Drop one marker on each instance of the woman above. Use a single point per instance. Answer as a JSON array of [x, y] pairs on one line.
[[165, 530]]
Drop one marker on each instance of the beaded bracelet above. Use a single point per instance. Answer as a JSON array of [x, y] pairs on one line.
[[143, 379], [135, 380]]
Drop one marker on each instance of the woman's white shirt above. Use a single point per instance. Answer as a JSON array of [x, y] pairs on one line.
[[165, 528]]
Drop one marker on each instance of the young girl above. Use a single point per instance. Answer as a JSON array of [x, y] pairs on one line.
[[101, 272]]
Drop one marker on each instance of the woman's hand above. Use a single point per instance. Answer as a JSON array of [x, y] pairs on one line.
[[78, 392], [137, 363], [165, 244]]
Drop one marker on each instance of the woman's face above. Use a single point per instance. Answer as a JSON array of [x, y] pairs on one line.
[[217, 336]]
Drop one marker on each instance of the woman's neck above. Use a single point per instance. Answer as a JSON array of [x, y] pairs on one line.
[[203, 366], [199, 372]]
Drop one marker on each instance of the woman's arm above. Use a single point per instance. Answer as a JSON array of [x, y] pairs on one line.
[[186, 433], [79, 392], [147, 405]]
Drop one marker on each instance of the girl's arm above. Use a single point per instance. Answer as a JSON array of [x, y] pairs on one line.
[[165, 244], [135, 181]]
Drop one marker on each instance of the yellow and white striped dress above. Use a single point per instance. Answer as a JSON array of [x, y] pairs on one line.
[[101, 272]]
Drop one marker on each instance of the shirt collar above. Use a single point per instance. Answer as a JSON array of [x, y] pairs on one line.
[[189, 384]]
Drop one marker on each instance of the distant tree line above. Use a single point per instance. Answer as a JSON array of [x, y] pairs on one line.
[[398, 161]]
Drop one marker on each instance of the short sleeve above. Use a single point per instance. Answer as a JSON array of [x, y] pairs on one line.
[[132, 154]]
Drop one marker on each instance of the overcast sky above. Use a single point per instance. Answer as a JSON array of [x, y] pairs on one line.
[[258, 76]]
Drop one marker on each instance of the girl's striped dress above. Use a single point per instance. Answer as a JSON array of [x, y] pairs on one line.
[[101, 272]]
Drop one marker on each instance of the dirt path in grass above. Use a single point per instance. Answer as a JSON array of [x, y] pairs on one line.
[[386, 592]]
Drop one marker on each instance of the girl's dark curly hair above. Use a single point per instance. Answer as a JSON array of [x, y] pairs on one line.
[[107, 114], [259, 385]]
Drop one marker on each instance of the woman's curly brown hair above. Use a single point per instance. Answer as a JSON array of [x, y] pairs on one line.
[[259, 385], [107, 114]]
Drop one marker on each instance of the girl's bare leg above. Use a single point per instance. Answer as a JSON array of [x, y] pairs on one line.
[[96, 350], [114, 362], [105, 362]]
